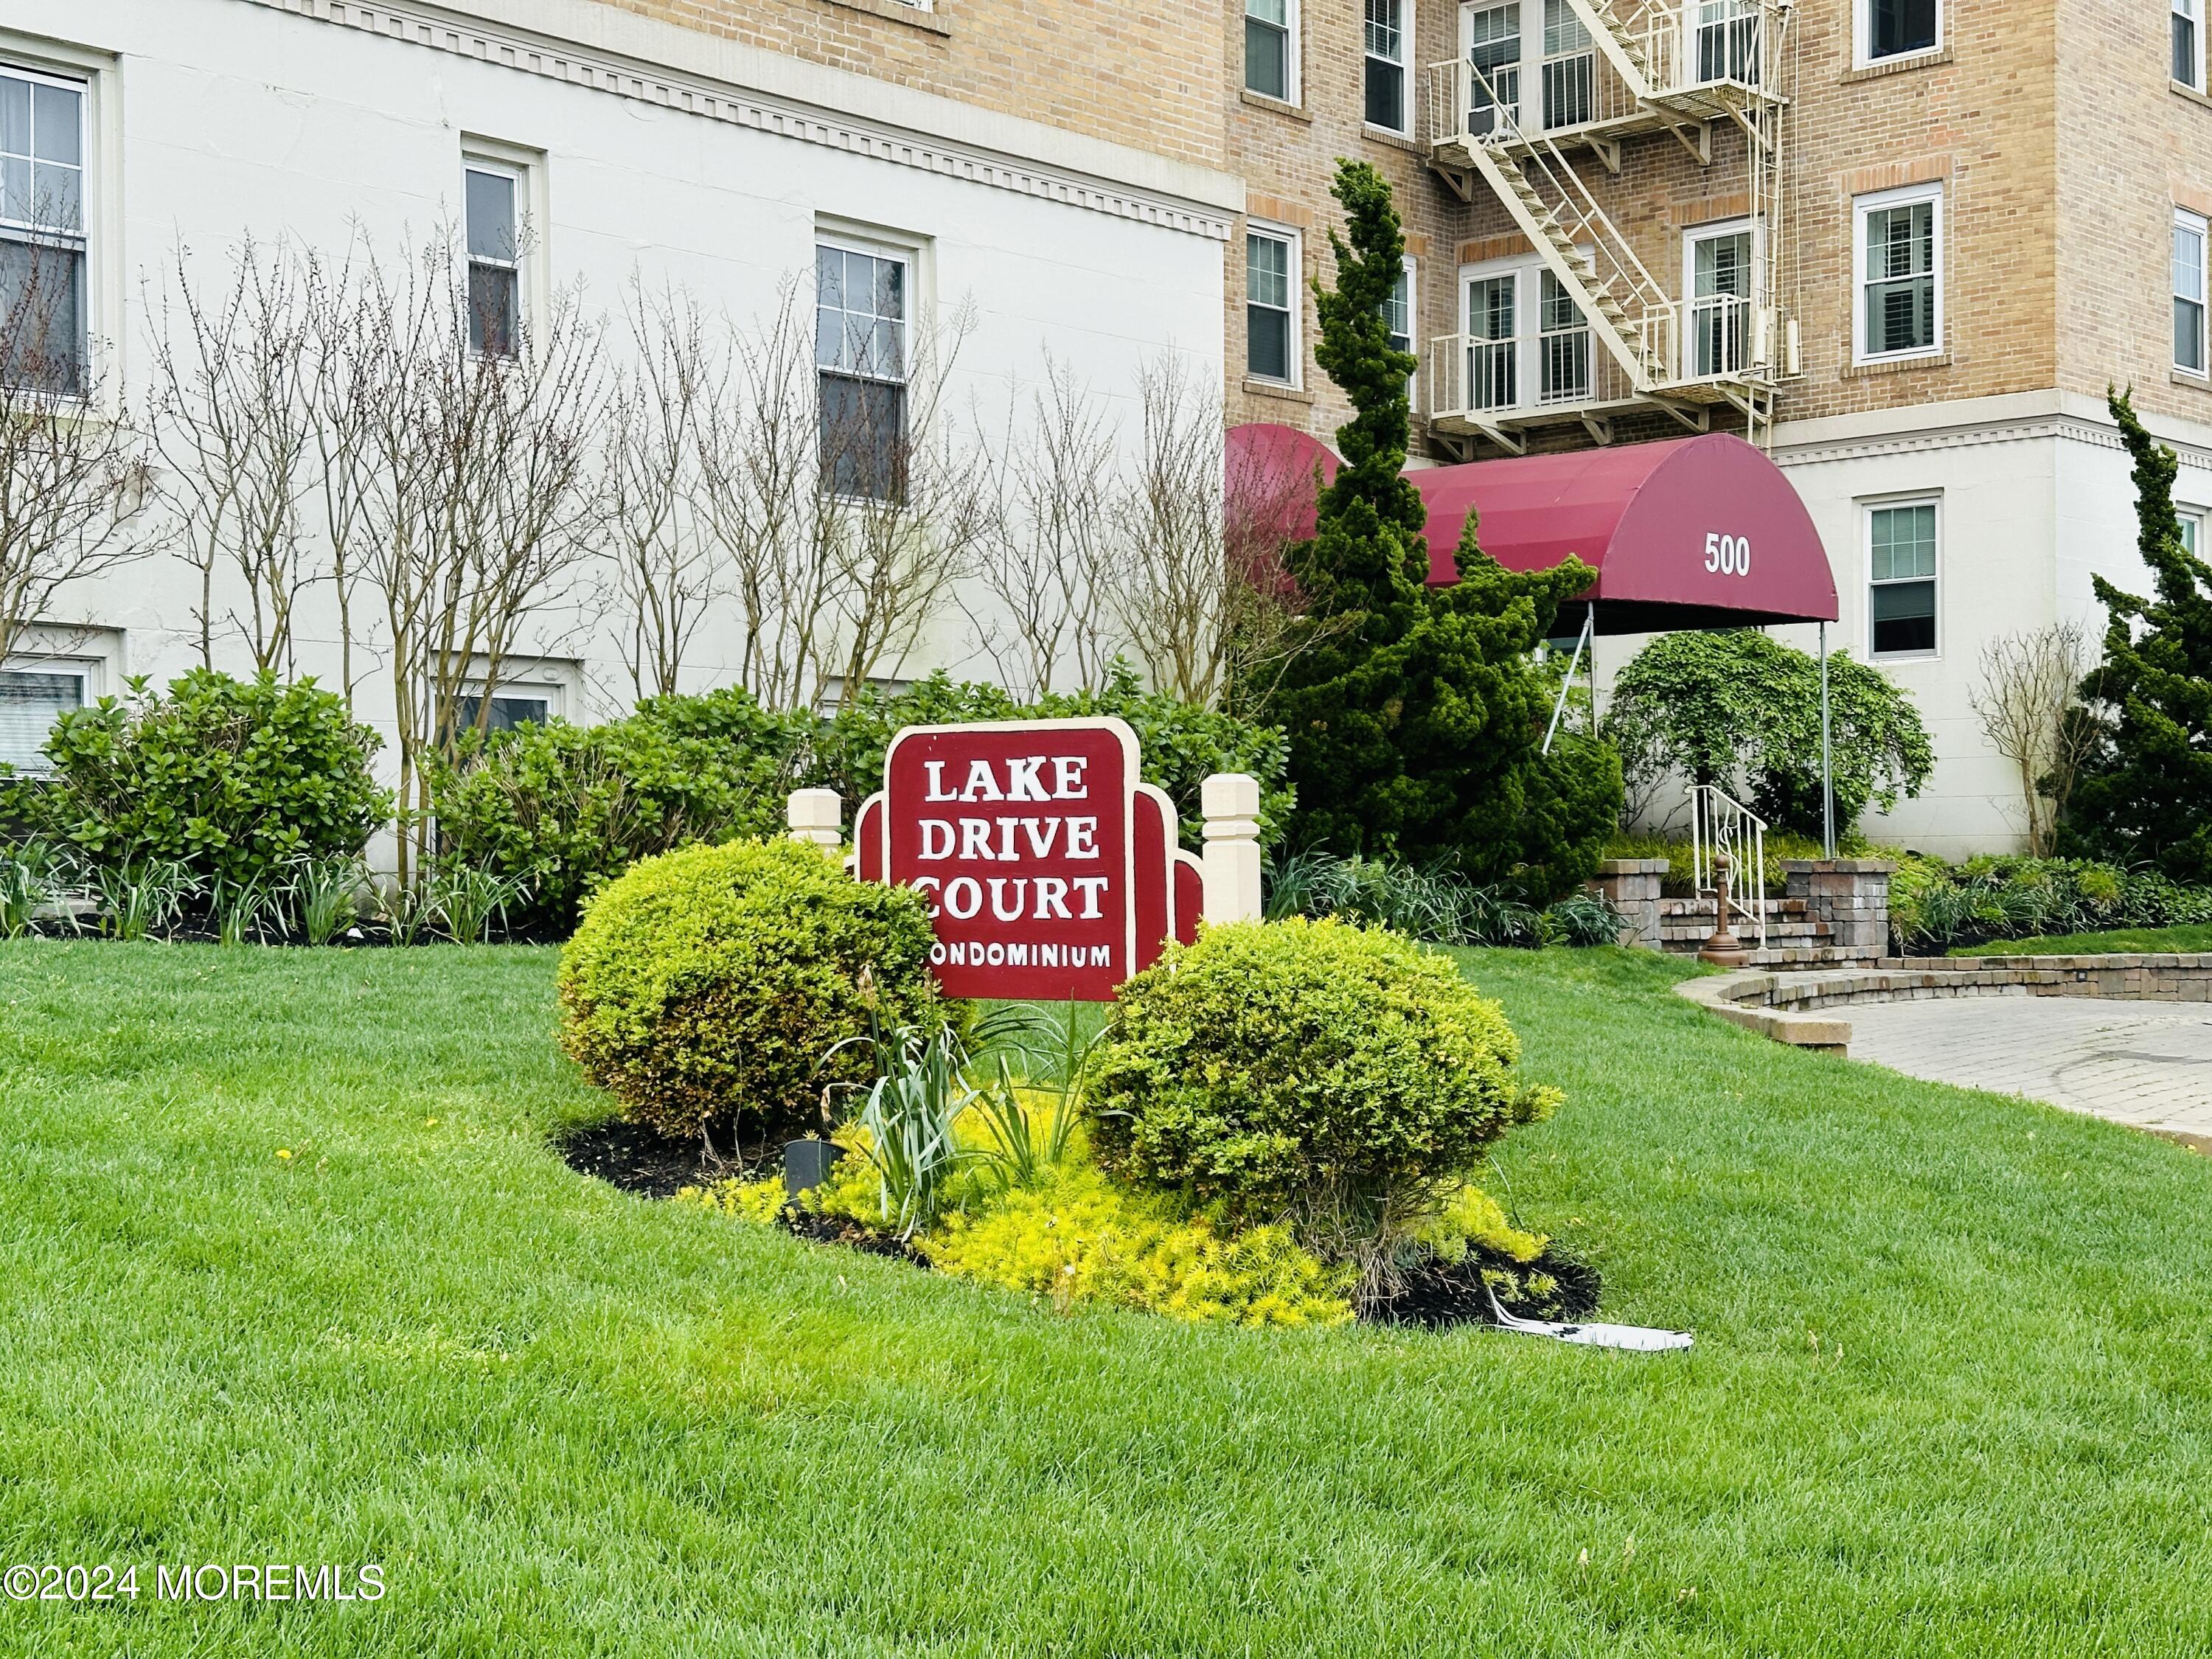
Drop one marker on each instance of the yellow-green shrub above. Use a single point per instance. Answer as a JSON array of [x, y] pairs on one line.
[[710, 982], [760, 1202], [1077, 1237], [1314, 1068], [1472, 1219]]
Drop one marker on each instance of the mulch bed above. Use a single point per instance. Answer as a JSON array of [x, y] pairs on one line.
[[642, 1161]]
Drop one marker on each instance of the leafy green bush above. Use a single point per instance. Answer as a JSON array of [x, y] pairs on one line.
[[1742, 710], [231, 781], [1337, 1075], [1935, 906], [1181, 744], [705, 988], [558, 810]]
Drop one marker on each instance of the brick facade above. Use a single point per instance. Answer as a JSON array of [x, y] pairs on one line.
[[1141, 76], [2055, 207]]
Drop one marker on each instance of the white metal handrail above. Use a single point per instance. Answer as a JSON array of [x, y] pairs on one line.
[[1728, 857], [1472, 376]]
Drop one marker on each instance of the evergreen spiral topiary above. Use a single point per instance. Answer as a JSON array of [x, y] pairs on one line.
[[704, 987], [1337, 1075]]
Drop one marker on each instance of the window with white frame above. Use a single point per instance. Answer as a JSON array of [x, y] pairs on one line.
[[861, 307], [511, 706], [1398, 314], [1717, 275], [1511, 363], [1901, 562], [1897, 28], [2192, 530], [2189, 294], [1270, 298], [1900, 265], [2189, 42], [1388, 34], [32, 698], [1728, 40], [492, 194], [44, 333], [1492, 36], [1494, 334], [1570, 68], [1270, 63]]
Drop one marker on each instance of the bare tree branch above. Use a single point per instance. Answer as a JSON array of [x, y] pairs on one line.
[[2030, 708]]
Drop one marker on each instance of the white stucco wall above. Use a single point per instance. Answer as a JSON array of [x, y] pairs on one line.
[[219, 119], [2035, 495]]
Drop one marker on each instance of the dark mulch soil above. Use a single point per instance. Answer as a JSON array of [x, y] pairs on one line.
[[1436, 1295], [642, 1161]]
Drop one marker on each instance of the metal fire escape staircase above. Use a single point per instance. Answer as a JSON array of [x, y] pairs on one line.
[[1676, 67]]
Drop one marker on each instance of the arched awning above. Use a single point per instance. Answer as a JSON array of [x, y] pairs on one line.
[[1697, 532]]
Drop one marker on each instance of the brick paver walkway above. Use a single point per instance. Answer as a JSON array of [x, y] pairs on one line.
[[2146, 1064]]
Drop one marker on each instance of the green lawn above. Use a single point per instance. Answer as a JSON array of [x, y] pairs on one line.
[[2146, 941], [1952, 1394]]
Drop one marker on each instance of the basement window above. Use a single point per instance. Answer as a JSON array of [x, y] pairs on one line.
[[30, 703]]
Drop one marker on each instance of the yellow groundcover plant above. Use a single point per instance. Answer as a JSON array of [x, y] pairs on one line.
[[1075, 1236]]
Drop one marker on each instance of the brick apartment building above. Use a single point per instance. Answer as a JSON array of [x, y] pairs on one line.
[[1901, 244]]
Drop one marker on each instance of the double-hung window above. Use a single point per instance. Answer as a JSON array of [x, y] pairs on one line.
[[44, 340], [492, 197], [1398, 319], [1897, 28], [1267, 56], [1901, 308], [1387, 46], [1270, 336], [1570, 68], [1901, 561], [1720, 279], [1493, 343], [31, 701], [2189, 42], [2189, 294], [1493, 52], [860, 312]]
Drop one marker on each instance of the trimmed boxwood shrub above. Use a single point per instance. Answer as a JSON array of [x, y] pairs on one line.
[[704, 987], [1336, 1075], [232, 780], [562, 808]]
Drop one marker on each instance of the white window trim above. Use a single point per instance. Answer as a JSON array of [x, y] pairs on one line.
[[2196, 82], [534, 218], [1413, 333], [1527, 271], [1294, 80], [1862, 208], [1714, 230], [1297, 353], [104, 297], [1868, 506], [1406, 36], [2184, 219], [1863, 38], [2193, 515], [916, 253]]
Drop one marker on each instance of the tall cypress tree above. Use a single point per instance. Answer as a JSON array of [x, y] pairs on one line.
[[1415, 717], [2148, 797]]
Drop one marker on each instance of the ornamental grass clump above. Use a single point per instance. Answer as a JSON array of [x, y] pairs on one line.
[[1335, 1078], [715, 991]]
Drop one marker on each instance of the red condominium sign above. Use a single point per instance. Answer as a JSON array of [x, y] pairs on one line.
[[1051, 872]]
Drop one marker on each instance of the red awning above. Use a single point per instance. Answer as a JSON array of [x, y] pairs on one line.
[[1698, 532]]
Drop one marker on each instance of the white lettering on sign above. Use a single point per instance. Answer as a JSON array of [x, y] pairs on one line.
[[1727, 555], [1024, 780]]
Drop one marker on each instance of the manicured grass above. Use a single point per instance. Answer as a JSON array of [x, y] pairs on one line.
[[2144, 941], [1952, 1394]]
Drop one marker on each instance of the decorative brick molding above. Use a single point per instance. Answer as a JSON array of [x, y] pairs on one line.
[[1795, 1008]]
